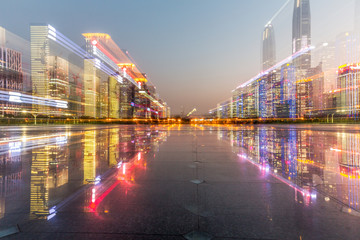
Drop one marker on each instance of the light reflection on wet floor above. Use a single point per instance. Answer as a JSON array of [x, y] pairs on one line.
[[40, 167], [310, 160], [46, 169]]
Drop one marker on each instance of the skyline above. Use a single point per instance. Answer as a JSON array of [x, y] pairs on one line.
[[207, 53], [301, 86], [180, 119]]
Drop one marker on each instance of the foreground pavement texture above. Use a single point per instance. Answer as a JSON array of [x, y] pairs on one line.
[[180, 182]]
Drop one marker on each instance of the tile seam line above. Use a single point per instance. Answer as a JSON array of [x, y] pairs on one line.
[[108, 233]]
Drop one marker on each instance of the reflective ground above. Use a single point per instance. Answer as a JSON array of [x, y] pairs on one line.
[[180, 181]]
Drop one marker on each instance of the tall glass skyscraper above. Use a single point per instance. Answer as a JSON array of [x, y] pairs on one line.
[[301, 32], [268, 48]]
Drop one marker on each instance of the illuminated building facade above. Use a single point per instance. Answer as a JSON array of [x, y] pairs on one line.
[[225, 109], [57, 72], [348, 90], [316, 95], [303, 94], [249, 99], [273, 93], [127, 95], [132, 94], [301, 38], [14, 72], [99, 81], [102, 85]]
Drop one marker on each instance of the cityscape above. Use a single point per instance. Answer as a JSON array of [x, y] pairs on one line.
[[313, 82], [113, 123], [54, 77]]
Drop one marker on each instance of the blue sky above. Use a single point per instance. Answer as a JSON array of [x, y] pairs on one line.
[[194, 51]]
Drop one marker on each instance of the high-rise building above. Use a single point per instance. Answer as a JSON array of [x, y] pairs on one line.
[[57, 72], [14, 71], [137, 97], [348, 93], [268, 47], [301, 39], [324, 54], [301, 32]]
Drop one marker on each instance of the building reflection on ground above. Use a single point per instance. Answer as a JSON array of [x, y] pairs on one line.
[[37, 173], [41, 171], [308, 161]]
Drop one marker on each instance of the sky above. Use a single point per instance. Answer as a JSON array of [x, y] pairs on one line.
[[194, 51]]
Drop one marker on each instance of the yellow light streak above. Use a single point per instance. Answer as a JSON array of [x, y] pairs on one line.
[[96, 35]]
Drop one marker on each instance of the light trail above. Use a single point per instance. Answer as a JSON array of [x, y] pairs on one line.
[[17, 97], [276, 66], [305, 192], [278, 12]]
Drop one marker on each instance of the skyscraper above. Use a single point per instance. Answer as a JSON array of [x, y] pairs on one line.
[[301, 32], [14, 70], [268, 48]]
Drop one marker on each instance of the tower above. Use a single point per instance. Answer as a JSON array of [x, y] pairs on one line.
[[268, 47], [301, 32]]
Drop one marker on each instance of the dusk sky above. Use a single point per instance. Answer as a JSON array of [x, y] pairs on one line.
[[194, 51]]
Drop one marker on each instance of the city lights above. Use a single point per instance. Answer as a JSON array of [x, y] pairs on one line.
[[90, 149], [311, 84], [96, 81]]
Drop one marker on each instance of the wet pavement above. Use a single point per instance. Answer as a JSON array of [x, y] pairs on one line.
[[180, 182]]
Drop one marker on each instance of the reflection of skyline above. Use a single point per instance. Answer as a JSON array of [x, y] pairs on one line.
[[131, 149], [11, 173], [60, 164], [39, 190], [310, 161], [49, 171], [89, 156], [64, 162]]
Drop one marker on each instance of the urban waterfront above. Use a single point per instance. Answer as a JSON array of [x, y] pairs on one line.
[[117, 119], [180, 181]]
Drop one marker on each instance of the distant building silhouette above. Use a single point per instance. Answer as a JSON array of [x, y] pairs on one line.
[[268, 47]]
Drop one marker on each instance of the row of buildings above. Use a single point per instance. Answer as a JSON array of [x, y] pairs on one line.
[[53, 76], [314, 81]]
